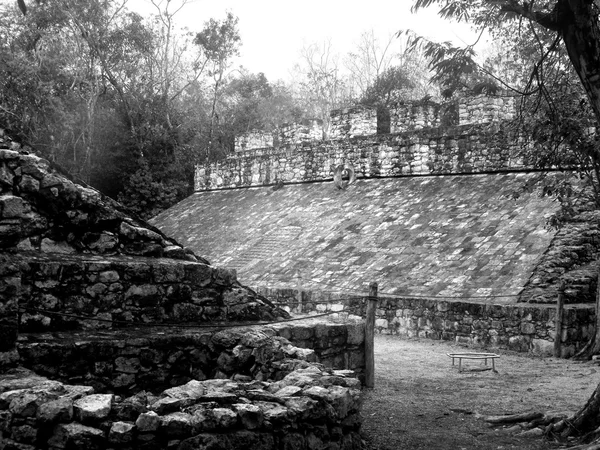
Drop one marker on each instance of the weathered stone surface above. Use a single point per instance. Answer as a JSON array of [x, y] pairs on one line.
[[392, 223], [93, 407], [222, 413], [147, 422], [251, 416], [121, 433], [59, 410], [78, 437]]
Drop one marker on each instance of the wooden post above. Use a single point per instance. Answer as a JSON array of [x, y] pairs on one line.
[[370, 336], [299, 296], [560, 308]]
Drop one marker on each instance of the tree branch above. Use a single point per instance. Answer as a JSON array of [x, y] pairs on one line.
[[547, 20]]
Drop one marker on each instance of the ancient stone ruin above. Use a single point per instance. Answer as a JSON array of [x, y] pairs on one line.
[[113, 335], [438, 217]]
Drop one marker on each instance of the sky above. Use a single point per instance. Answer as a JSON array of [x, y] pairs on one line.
[[274, 31]]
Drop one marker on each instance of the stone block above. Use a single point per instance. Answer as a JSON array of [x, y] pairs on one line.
[[93, 407]]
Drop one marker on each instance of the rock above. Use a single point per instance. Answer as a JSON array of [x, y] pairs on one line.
[[121, 433], [77, 437], [60, 410], [147, 422], [93, 407], [191, 390], [251, 416], [177, 425], [224, 417], [288, 391], [165, 405], [12, 206]]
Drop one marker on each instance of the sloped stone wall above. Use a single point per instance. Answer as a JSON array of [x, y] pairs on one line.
[[572, 259], [66, 249], [42, 210]]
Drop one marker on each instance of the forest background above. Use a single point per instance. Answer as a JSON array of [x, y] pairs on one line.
[[130, 103]]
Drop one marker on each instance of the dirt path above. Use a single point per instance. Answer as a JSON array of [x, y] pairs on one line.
[[421, 402]]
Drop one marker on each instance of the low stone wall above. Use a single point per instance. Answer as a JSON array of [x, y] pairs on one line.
[[305, 406], [520, 327], [154, 358], [131, 290], [463, 149]]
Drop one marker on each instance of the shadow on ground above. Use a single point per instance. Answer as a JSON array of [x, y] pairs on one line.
[[420, 401]]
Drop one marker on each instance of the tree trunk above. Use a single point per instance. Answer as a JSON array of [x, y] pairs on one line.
[[579, 28], [593, 346]]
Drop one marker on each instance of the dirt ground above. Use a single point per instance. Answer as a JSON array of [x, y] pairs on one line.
[[420, 401]]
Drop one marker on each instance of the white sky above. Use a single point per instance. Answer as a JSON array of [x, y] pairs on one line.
[[274, 31]]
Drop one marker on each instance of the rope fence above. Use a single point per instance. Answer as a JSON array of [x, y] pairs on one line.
[[179, 325], [365, 306], [394, 295]]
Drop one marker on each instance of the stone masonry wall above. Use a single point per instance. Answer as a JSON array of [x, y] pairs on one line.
[[519, 327], [485, 109], [155, 358], [352, 122], [253, 140], [463, 149], [410, 116], [65, 248], [404, 116], [131, 290], [275, 399]]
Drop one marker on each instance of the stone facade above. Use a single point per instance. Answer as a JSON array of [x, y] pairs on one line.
[[485, 109], [297, 133], [351, 122], [456, 150], [304, 405], [404, 116], [253, 140], [416, 116]]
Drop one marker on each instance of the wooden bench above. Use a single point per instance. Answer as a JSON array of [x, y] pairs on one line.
[[468, 355]]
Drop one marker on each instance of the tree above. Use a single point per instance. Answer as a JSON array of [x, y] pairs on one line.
[[220, 41], [573, 24], [322, 86], [389, 65]]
